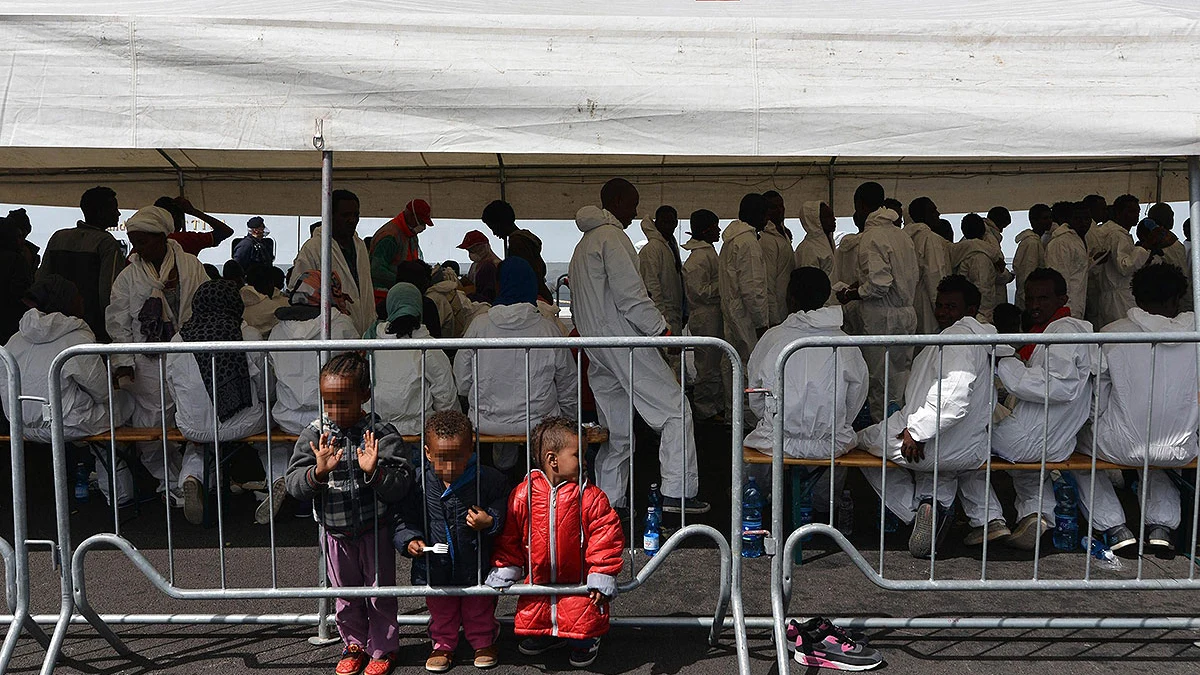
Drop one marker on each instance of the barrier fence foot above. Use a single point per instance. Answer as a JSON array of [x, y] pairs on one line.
[[324, 636]]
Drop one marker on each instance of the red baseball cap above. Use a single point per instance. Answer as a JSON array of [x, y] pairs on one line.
[[473, 238], [420, 207]]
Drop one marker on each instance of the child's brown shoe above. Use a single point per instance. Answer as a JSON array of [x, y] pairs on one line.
[[487, 657], [439, 661]]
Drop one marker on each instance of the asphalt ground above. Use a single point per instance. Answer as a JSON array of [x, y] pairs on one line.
[[827, 584]]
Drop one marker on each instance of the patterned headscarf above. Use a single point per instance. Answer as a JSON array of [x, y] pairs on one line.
[[217, 317], [305, 297]]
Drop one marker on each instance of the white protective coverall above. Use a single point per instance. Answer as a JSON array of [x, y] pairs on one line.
[[194, 416], [664, 282], [700, 279], [1067, 254], [455, 310], [398, 384], [975, 259], [816, 249], [950, 414], [356, 284], [1019, 437], [888, 272], [260, 310], [1177, 255], [84, 380], [845, 269], [744, 304], [132, 288], [1114, 298], [934, 259], [778, 263], [609, 299], [1030, 255], [995, 235], [296, 376], [1129, 407]]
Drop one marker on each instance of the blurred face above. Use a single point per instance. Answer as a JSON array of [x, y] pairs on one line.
[[1042, 222], [667, 223], [1127, 215], [150, 247], [625, 208], [342, 399], [111, 215], [775, 210], [1081, 221], [345, 218], [1041, 301], [449, 456], [562, 465], [828, 218], [949, 308], [257, 233]]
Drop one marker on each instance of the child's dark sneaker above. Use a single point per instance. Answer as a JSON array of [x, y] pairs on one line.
[[821, 644], [439, 661], [540, 645], [352, 661], [582, 655], [380, 666]]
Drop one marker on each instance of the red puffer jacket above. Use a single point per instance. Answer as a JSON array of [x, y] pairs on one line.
[[550, 537]]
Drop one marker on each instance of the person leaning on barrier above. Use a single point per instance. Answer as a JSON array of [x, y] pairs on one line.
[[501, 407], [408, 387], [151, 299], [1145, 388], [294, 375], [355, 470], [944, 421], [703, 291], [609, 300], [1045, 383], [226, 387], [53, 323]]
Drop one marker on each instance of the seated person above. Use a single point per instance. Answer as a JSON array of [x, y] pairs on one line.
[[944, 422], [294, 375], [53, 323], [219, 397], [497, 398], [405, 391], [1024, 435], [1129, 407], [261, 300]]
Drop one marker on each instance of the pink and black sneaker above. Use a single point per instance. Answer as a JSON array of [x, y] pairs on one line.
[[821, 644]]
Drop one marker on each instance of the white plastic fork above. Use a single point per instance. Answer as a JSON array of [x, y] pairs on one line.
[[439, 549]]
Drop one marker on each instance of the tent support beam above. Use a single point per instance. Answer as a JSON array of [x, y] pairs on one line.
[[832, 161], [1194, 209], [500, 162], [1158, 183], [175, 165]]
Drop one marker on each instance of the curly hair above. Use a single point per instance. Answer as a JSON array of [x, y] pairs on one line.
[[449, 424], [352, 365], [552, 434]]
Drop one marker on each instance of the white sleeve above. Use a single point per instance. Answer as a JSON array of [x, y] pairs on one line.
[[752, 284], [854, 372], [875, 270], [117, 318], [955, 396], [1028, 382], [625, 281]]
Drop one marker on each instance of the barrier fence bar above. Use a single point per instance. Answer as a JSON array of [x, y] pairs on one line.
[[781, 569], [74, 590]]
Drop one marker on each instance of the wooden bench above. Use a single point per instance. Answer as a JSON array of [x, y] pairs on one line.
[[592, 434], [864, 459]]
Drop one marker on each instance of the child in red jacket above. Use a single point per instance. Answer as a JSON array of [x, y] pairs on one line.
[[559, 532]]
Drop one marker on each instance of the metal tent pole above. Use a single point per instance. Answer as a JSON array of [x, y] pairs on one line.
[[326, 237]]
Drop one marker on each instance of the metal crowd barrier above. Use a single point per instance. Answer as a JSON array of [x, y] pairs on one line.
[[73, 582], [781, 565]]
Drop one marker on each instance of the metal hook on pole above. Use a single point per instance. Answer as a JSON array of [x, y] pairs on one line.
[[319, 137]]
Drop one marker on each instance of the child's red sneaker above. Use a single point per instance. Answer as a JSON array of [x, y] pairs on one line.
[[380, 666]]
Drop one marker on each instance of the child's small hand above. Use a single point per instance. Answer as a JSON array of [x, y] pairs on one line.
[[479, 520], [368, 456], [416, 548], [328, 455], [599, 600]]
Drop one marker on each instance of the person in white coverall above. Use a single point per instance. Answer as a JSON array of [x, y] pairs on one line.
[[933, 257], [1031, 252], [816, 249], [944, 421], [661, 268], [744, 294], [778, 258], [1173, 249], [609, 299], [974, 257], [998, 219], [700, 281], [501, 407], [348, 256], [1111, 245], [53, 323], [1145, 389], [151, 299], [887, 284], [1049, 383], [295, 375], [845, 275], [1067, 254]]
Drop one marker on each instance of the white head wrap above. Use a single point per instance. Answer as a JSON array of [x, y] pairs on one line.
[[152, 219]]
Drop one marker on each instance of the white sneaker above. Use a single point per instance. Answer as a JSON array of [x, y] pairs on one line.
[[193, 500], [269, 508]]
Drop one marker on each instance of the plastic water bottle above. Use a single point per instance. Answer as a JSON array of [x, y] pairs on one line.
[[752, 519], [845, 514], [1066, 516], [81, 483], [1104, 558], [652, 538]]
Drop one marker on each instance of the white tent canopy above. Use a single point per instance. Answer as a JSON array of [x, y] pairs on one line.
[[1012, 101]]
